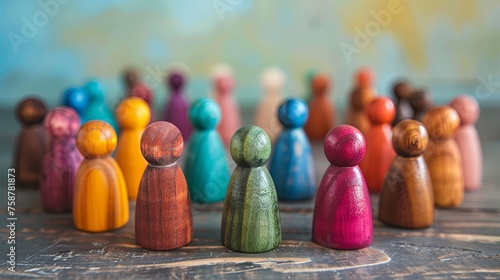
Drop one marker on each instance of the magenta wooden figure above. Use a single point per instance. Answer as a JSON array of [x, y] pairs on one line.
[[230, 119], [468, 141], [61, 161], [176, 111], [342, 213]]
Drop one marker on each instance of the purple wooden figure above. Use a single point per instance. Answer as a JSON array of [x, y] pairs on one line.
[[176, 111], [342, 213], [61, 161]]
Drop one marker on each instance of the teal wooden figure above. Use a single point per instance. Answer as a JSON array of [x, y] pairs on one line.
[[206, 169], [97, 108], [292, 164], [251, 219]]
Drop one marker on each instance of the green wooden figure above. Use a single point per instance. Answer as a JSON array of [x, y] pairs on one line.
[[250, 219], [206, 169]]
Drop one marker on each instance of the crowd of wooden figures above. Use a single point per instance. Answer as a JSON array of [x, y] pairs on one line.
[[415, 155]]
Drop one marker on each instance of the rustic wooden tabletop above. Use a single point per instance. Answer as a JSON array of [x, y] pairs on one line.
[[463, 242]]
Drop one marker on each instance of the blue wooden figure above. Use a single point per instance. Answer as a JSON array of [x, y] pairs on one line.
[[97, 108], [76, 98], [206, 168], [292, 165]]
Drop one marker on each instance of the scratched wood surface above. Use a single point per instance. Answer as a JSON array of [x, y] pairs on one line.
[[463, 242]]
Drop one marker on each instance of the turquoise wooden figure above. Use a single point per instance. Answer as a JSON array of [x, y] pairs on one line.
[[206, 169], [292, 164], [251, 219], [97, 108]]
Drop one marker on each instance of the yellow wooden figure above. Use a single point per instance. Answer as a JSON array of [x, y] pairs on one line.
[[133, 116], [100, 198]]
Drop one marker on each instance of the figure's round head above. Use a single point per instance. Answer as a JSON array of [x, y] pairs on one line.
[[95, 90], [293, 113], [96, 139], [31, 111], [273, 79], [133, 112], [344, 146], [467, 108], [320, 84], [250, 146], [441, 122], [402, 90], [161, 143], [409, 138], [131, 77], [176, 81], [381, 110], [62, 122], [76, 98], [420, 100], [204, 114], [364, 77], [223, 84]]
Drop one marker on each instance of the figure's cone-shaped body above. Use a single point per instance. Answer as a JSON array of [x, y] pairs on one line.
[[321, 110], [176, 110], [230, 119], [361, 96], [402, 93]]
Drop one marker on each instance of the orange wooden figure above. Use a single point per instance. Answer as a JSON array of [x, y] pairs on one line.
[[361, 96], [321, 109], [163, 219], [133, 116], [468, 141], [379, 152], [443, 156], [100, 197]]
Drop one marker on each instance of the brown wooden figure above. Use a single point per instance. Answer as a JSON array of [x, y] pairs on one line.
[[443, 156], [163, 219], [407, 198], [402, 93], [131, 78], [321, 109], [361, 96], [100, 198], [379, 152], [31, 142], [468, 141], [421, 101]]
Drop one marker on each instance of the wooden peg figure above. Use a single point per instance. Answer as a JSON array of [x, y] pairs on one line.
[[402, 93], [468, 141], [100, 199], [421, 101], [31, 142], [61, 161], [407, 198], [230, 119], [206, 169], [361, 96], [130, 79], [176, 110], [97, 108], [250, 219], [379, 152], [76, 98], [443, 156], [292, 164], [133, 116], [342, 216], [321, 110], [163, 219], [266, 116], [134, 87]]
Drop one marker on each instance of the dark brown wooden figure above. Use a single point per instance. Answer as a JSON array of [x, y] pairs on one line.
[[163, 219], [407, 198], [31, 142], [131, 78], [443, 156], [421, 101], [468, 141], [321, 109], [402, 93]]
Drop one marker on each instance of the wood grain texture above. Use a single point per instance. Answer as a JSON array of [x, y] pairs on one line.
[[402, 93], [443, 156], [133, 115], [359, 99], [250, 218], [100, 199], [163, 219], [407, 197], [177, 106], [61, 161], [322, 113], [342, 212]]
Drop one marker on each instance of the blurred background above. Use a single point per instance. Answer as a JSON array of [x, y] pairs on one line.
[[449, 47]]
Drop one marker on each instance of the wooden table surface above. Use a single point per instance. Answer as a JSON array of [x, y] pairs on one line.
[[463, 242]]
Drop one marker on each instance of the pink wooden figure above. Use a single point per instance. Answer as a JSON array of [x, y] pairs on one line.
[[468, 141], [342, 213], [61, 161], [230, 119]]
